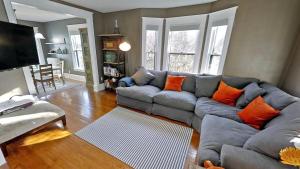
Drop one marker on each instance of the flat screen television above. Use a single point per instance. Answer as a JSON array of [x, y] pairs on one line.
[[17, 46]]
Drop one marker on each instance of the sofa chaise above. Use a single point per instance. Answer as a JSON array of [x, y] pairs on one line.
[[225, 139]]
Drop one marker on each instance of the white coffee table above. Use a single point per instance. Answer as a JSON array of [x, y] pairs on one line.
[[19, 123]]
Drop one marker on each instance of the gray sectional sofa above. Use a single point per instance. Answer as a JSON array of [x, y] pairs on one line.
[[225, 139]]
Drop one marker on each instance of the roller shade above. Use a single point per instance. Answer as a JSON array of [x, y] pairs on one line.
[[152, 27], [220, 22], [184, 27]]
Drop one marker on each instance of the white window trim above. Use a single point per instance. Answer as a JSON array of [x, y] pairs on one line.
[[39, 47], [215, 16], [75, 27], [157, 22], [201, 19]]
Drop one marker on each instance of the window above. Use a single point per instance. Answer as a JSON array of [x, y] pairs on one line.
[[182, 50], [217, 41], [151, 45], [77, 52], [183, 42]]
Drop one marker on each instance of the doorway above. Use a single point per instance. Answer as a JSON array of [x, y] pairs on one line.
[[89, 50]]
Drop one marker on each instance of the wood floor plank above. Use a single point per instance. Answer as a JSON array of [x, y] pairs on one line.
[[57, 148]]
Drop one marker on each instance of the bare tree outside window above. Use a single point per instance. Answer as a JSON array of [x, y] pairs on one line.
[[151, 47], [182, 50]]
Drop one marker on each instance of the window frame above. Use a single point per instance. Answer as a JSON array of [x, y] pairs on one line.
[[159, 22], [75, 28], [182, 21], [75, 57], [226, 14]]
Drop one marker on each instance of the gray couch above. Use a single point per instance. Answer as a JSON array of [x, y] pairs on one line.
[[225, 139]]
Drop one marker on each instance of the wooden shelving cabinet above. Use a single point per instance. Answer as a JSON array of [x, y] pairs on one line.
[[113, 60]]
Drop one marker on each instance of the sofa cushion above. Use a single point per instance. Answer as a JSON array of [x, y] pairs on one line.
[[238, 82], [181, 100], [288, 113], [207, 85], [159, 78], [227, 94], [207, 106], [142, 93], [239, 158], [251, 91], [257, 113], [189, 84], [217, 131], [276, 97], [272, 139], [268, 87], [174, 83], [142, 77]]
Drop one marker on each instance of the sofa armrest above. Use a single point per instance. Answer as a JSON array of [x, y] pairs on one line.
[[126, 82], [237, 158]]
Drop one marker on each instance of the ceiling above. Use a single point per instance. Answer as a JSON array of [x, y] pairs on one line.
[[119, 5], [31, 13]]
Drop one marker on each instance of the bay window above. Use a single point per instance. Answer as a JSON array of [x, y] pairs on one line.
[[183, 41]]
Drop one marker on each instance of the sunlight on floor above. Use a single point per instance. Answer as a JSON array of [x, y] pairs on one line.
[[46, 136], [24, 118]]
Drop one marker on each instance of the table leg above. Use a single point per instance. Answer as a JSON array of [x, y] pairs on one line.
[[4, 150], [64, 121]]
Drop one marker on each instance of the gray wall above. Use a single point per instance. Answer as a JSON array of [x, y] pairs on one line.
[[99, 29], [12, 82], [262, 37], [291, 79], [129, 23], [42, 30], [58, 29]]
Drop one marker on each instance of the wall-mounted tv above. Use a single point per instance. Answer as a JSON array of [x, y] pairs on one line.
[[17, 46]]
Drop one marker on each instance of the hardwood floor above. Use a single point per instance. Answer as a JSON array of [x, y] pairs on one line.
[[55, 147]]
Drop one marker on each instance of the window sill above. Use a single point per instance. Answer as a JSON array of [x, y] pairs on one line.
[[79, 70]]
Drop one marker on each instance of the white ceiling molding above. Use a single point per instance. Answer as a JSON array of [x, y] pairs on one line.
[[120, 5], [32, 13]]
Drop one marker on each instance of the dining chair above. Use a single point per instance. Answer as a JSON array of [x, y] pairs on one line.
[[45, 76], [58, 68]]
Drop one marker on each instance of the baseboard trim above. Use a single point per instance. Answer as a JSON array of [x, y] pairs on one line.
[[75, 77], [99, 87]]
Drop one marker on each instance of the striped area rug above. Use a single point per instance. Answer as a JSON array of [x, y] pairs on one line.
[[141, 141]]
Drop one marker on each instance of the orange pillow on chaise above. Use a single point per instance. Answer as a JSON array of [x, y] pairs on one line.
[[174, 83], [227, 94], [257, 113]]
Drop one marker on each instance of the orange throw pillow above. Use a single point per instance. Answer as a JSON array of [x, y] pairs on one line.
[[257, 113], [174, 83], [227, 94]]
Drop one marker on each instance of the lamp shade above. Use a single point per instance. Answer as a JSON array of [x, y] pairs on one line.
[[39, 36], [125, 45]]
